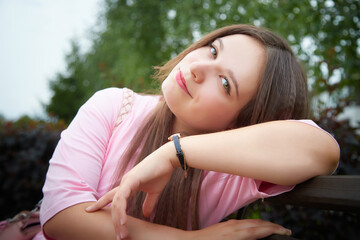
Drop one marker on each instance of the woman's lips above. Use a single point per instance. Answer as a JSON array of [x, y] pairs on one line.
[[181, 81]]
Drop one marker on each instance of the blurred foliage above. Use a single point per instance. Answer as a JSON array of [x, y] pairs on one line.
[[132, 36], [309, 223], [26, 146], [347, 138]]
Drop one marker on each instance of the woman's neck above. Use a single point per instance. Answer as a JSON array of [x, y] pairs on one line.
[[180, 126]]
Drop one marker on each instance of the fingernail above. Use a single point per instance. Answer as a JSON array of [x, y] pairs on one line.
[[90, 208], [117, 238], [286, 231]]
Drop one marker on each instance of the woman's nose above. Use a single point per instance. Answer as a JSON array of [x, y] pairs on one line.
[[199, 71]]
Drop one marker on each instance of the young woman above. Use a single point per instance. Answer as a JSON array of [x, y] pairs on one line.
[[237, 96]]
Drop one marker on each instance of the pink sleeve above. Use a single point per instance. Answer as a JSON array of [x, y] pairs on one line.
[[221, 194], [75, 167]]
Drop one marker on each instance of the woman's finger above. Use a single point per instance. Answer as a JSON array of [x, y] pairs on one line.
[[102, 202], [123, 232], [264, 231], [250, 223], [149, 204], [119, 206], [259, 226], [240, 230], [256, 228], [120, 234]]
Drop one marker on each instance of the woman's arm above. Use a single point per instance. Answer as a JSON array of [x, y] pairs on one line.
[[74, 223], [280, 152]]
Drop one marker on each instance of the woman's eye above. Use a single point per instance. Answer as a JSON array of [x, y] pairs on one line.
[[225, 84], [213, 51]]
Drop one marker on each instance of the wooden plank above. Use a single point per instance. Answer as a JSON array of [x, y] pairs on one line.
[[339, 192]]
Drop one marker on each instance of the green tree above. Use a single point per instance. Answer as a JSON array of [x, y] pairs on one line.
[[70, 89]]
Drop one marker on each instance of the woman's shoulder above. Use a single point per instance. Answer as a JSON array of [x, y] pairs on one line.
[[119, 93], [113, 102], [123, 101], [112, 92]]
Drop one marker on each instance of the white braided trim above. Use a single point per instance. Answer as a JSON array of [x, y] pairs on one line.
[[126, 106]]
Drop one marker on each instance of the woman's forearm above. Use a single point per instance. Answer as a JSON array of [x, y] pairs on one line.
[[74, 223], [143, 230], [281, 152]]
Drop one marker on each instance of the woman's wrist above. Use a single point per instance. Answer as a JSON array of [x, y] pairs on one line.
[[170, 152]]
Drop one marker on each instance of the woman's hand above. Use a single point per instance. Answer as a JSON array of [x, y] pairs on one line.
[[151, 176], [246, 229], [231, 230]]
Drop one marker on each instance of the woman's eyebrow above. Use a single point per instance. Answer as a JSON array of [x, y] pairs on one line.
[[231, 73]]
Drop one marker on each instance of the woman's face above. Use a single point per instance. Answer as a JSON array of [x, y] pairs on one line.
[[209, 86]]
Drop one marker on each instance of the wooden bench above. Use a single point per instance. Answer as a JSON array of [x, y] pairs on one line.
[[339, 193]]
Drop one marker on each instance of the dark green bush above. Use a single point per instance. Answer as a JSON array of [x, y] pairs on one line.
[[25, 149]]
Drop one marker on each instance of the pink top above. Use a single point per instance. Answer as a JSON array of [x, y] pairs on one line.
[[89, 150]]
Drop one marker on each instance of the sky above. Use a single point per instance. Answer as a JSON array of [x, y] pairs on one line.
[[35, 36]]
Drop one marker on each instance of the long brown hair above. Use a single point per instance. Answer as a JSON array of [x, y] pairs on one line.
[[282, 94]]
